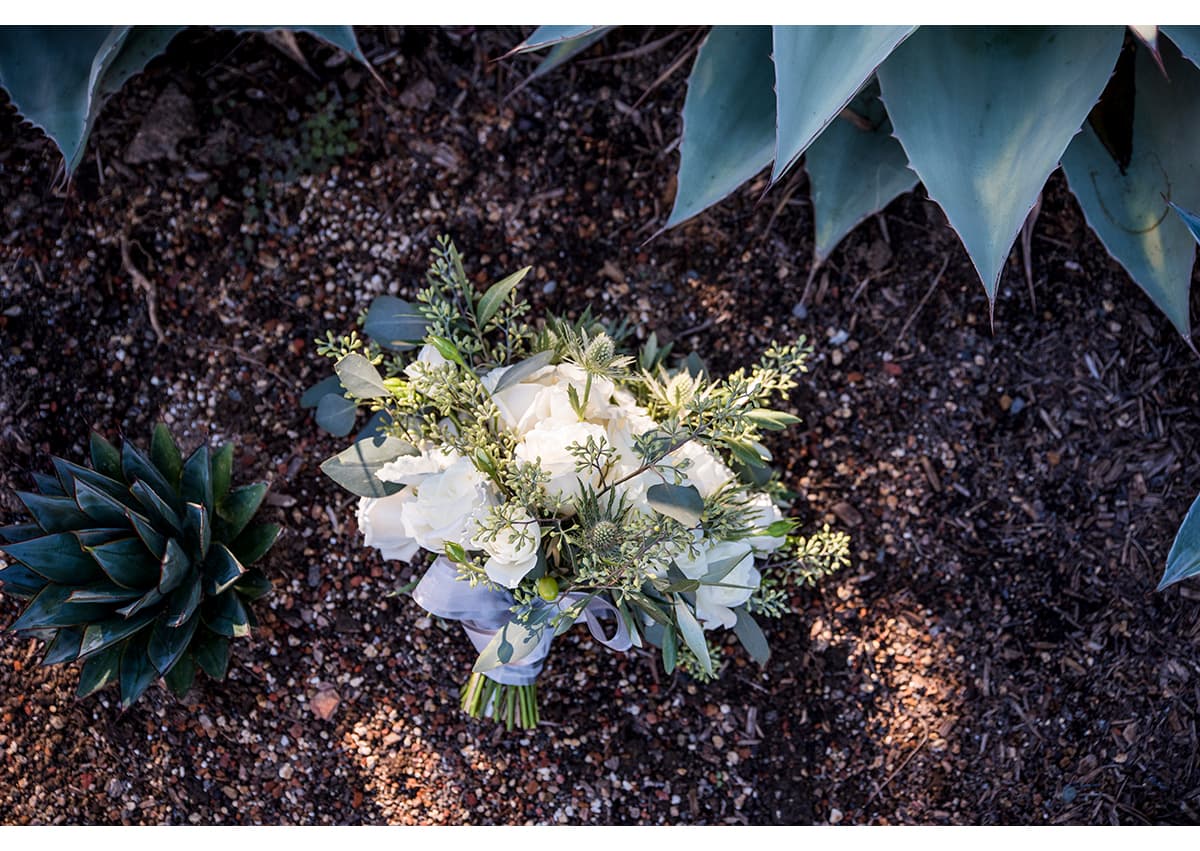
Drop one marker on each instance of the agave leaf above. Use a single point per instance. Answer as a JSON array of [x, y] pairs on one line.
[[751, 636], [197, 480], [1183, 562], [211, 652], [63, 648], [106, 458], [160, 513], [225, 615], [728, 118], [151, 598], [818, 70], [854, 173], [183, 601], [165, 454], [51, 609], [1128, 211], [222, 570], [20, 532], [155, 542], [181, 675], [19, 581], [141, 44], [105, 633], [174, 567], [564, 51], [336, 414], [341, 37], [168, 644], [985, 113], [48, 485], [253, 584], [54, 513], [103, 592], [127, 562], [137, 466], [544, 37], [99, 506], [137, 673], [392, 323], [59, 558], [99, 671], [693, 634], [238, 509], [197, 528], [222, 472], [1187, 39], [355, 468], [254, 542], [50, 74], [69, 474]]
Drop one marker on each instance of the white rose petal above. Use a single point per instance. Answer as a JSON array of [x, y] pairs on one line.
[[511, 555], [382, 524], [448, 506], [767, 513], [547, 445], [706, 471], [428, 358], [715, 603], [411, 469]]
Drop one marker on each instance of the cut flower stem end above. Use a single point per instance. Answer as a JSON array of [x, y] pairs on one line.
[[512, 706]]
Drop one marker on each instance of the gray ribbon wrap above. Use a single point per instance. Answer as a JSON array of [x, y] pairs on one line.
[[483, 611]]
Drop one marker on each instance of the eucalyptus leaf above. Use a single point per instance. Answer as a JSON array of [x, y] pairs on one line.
[[521, 370], [395, 323], [751, 636], [355, 468], [679, 502], [511, 643], [336, 414], [985, 113], [313, 395], [693, 634], [360, 377]]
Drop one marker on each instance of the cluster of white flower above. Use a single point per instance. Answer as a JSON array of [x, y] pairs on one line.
[[445, 498]]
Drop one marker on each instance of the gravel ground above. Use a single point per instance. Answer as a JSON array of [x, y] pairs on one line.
[[995, 654]]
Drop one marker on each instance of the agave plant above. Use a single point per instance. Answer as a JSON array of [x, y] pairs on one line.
[[139, 567], [980, 115], [60, 77]]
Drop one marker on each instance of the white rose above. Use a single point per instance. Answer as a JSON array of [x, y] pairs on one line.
[[715, 603], [767, 512], [448, 506], [411, 469], [706, 471], [625, 423], [382, 524], [511, 555], [545, 395], [546, 445], [428, 358]]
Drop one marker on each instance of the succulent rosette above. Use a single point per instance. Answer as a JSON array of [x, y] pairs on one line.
[[140, 567], [554, 479]]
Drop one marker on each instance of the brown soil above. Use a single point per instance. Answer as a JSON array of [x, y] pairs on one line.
[[996, 653]]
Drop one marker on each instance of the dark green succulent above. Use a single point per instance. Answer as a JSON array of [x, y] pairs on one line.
[[140, 567]]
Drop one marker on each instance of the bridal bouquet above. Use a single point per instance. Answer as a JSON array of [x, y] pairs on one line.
[[554, 479]]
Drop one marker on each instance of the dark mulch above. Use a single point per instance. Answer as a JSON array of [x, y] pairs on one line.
[[996, 653]]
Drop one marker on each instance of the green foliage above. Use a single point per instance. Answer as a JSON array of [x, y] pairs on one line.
[[141, 567], [60, 77], [982, 114], [1183, 562]]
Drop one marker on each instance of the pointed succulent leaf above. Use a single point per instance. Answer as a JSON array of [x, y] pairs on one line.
[[69, 474], [106, 458], [254, 543], [751, 636], [168, 644], [818, 70], [222, 472], [127, 562], [225, 615], [197, 528], [137, 466], [48, 485], [336, 414], [103, 592], [565, 51], [63, 648], [679, 502], [157, 509], [1187, 39], [54, 513], [253, 584], [239, 508], [211, 652], [148, 600], [20, 532], [491, 301], [51, 609], [1183, 562], [99, 671], [150, 537], [693, 634], [105, 633], [222, 570], [394, 324], [99, 506], [544, 37], [174, 567], [985, 113], [728, 118], [141, 44], [165, 454], [59, 558], [341, 37], [183, 601], [1128, 208], [355, 468], [853, 172], [197, 479], [18, 580], [180, 676], [137, 673]]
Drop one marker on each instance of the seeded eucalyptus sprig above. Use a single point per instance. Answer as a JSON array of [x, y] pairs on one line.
[[139, 567]]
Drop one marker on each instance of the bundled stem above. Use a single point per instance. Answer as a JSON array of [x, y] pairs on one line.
[[512, 706]]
